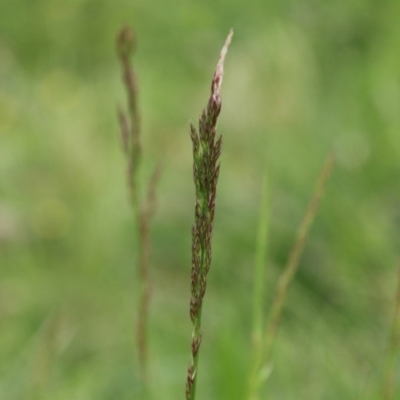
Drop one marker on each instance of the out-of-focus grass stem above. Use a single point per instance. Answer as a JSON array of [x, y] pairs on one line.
[[260, 368], [260, 265], [393, 348], [259, 278], [143, 208]]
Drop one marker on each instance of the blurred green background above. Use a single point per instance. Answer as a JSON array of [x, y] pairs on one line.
[[301, 78]]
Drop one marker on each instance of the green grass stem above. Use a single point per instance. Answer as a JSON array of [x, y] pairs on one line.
[[393, 348], [260, 274], [260, 264], [261, 366]]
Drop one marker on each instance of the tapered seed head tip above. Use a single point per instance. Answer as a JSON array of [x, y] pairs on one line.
[[219, 71]]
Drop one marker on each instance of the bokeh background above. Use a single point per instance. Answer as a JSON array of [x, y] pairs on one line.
[[301, 78]]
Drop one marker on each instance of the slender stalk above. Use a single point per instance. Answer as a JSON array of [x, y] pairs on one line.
[[260, 267], [206, 152], [259, 277], [393, 348], [259, 373], [45, 355], [143, 208]]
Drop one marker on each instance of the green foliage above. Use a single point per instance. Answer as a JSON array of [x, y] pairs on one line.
[[302, 76]]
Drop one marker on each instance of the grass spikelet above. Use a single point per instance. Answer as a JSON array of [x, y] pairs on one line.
[[130, 125], [206, 152]]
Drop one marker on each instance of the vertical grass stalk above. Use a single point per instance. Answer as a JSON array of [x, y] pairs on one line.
[[259, 371], [260, 267], [206, 152], [143, 208], [393, 348], [259, 275]]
